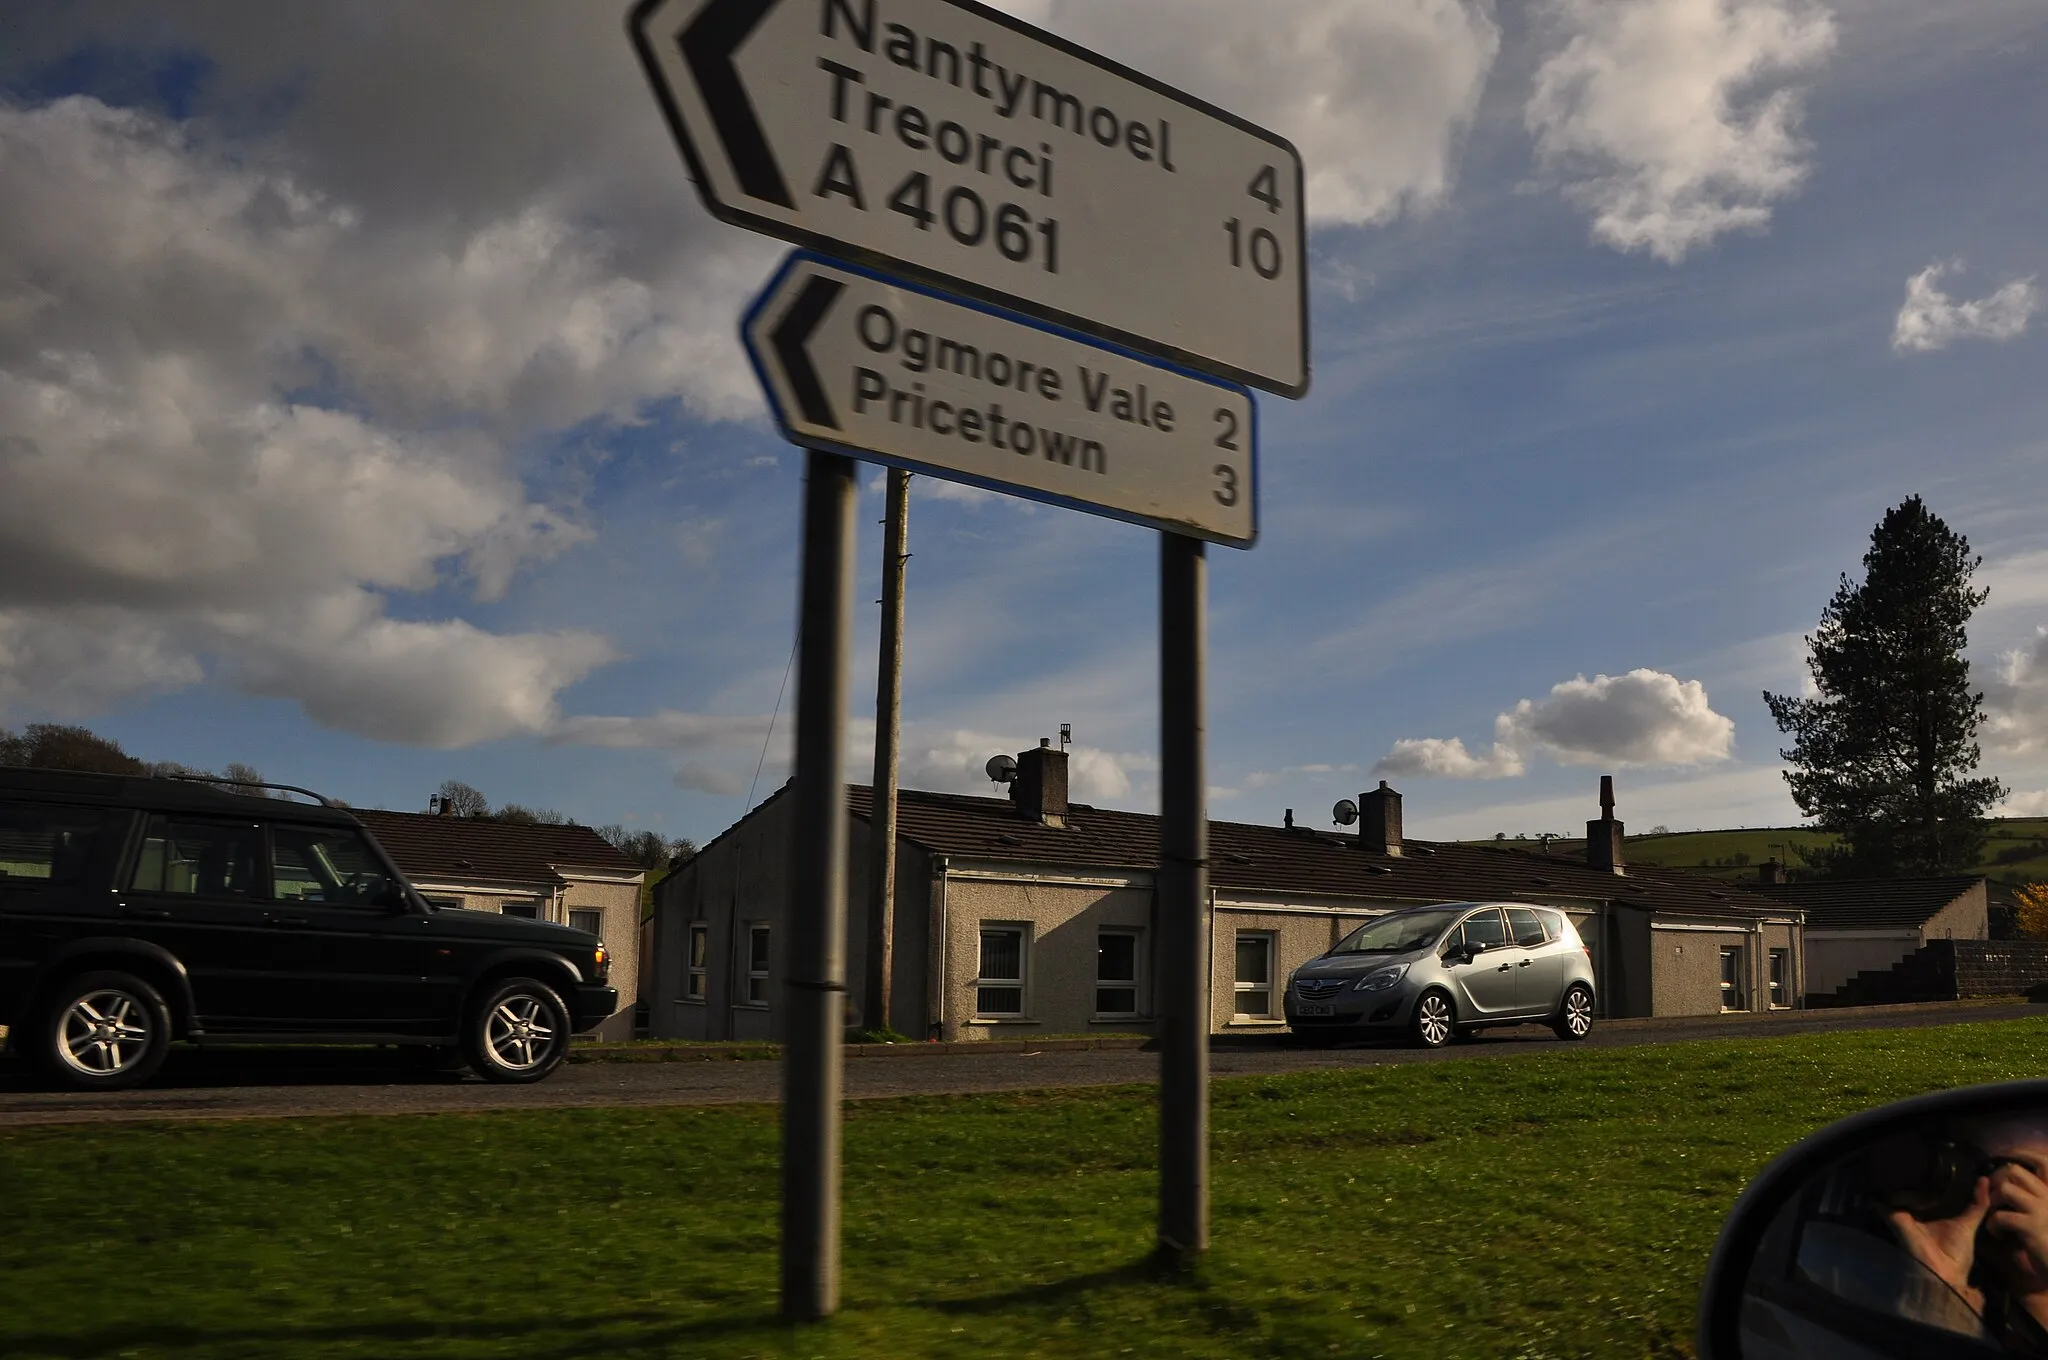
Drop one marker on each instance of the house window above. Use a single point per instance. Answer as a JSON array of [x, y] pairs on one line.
[[757, 965], [1780, 963], [592, 921], [694, 964], [1116, 974], [1731, 978], [445, 903], [528, 908], [1254, 975], [999, 990]]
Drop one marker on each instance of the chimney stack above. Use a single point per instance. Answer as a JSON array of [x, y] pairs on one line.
[[1040, 790], [1770, 873], [1379, 820], [1603, 838]]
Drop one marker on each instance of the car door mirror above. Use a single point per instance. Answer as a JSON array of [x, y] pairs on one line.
[[1917, 1229]]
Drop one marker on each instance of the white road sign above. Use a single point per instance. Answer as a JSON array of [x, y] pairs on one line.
[[960, 145], [856, 362]]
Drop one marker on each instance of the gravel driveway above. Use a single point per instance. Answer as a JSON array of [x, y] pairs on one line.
[[254, 1083]]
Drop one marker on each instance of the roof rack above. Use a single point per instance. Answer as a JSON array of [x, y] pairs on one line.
[[319, 798]]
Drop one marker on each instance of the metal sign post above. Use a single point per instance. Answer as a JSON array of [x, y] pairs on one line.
[[813, 1060], [950, 141], [1183, 901]]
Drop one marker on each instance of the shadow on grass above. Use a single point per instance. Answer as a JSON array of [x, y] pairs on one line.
[[1154, 1269], [558, 1338], [553, 1338]]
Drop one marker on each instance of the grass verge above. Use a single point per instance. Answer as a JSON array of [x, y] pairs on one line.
[[1556, 1204]]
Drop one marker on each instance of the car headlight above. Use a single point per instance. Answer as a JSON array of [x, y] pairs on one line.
[[1379, 979]]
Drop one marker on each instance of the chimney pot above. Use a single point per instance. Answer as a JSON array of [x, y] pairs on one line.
[[1603, 838], [1040, 790], [1379, 820]]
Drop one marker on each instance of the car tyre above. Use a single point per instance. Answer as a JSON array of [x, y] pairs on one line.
[[102, 1031], [518, 1031], [1435, 1020], [1574, 1013]]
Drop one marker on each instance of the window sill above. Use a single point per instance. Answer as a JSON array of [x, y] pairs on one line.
[[1121, 1020], [1001, 1020], [1254, 1022], [691, 1001], [750, 1005]]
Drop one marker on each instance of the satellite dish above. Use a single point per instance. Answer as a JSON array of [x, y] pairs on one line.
[[1345, 813], [1001, 769]]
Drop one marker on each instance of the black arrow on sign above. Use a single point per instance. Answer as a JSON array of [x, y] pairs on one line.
[[708, 44], [789, 339]]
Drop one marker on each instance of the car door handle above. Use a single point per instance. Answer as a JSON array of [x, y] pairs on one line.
[[1502, 969], [287, 922], [1524, 963], [149, 913]]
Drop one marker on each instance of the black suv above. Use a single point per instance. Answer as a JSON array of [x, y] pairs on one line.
[[136, 911]]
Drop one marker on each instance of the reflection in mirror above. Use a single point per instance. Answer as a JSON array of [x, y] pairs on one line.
[[1928, 1237]]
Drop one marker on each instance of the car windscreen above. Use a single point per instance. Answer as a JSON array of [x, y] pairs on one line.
[[1401, 933]]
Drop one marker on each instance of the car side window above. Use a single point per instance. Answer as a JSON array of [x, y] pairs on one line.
[[46, 845], [1553, 925], [194, 857], [1454, 940], [1526, 928], [1487, 928], [333, 865]]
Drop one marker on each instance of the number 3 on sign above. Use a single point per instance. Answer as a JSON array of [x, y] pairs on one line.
[[1226, 438]]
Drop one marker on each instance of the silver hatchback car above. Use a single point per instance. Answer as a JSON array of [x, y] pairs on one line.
[[1440, 972]]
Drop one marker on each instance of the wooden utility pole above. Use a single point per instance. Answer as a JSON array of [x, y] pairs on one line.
[[888, 730]]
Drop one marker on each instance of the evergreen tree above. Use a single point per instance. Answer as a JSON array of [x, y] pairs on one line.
[[1883, 752]]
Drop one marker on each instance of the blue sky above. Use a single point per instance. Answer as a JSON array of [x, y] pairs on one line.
[[371, 411]]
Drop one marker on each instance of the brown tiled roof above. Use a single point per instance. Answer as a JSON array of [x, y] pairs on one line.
[[1872, 904], [1248, 857], [476, 848]]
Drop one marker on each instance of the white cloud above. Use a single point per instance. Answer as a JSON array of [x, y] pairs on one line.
[[1671, 121], [172, 512], [667, 730], [699, 778], [1447, 758], [1265, 779], [441, 684], [2016, 701], [1930, 319], [1377, 98], [1643, 718]]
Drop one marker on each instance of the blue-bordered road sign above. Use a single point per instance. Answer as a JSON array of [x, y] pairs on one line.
[[894, 372], [953, 143]]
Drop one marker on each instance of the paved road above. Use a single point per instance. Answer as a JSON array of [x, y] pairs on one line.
[[231, 1084]]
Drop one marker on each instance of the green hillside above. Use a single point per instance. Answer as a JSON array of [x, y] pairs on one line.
[[2016, 851]]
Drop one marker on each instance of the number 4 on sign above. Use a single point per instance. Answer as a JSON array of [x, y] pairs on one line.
[[1264, 187]]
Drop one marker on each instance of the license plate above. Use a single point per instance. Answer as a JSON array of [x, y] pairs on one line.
[[1315, 1008]]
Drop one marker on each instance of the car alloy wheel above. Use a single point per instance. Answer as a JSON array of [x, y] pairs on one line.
[[105, 1031], [519, 1032], [1575, 1013], [1434, 1020]]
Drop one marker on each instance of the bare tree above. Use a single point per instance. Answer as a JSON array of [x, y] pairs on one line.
[[463, 800], [525, 816], [54, 746]]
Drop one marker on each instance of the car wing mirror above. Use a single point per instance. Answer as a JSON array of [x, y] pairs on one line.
[[1871, 1239]]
